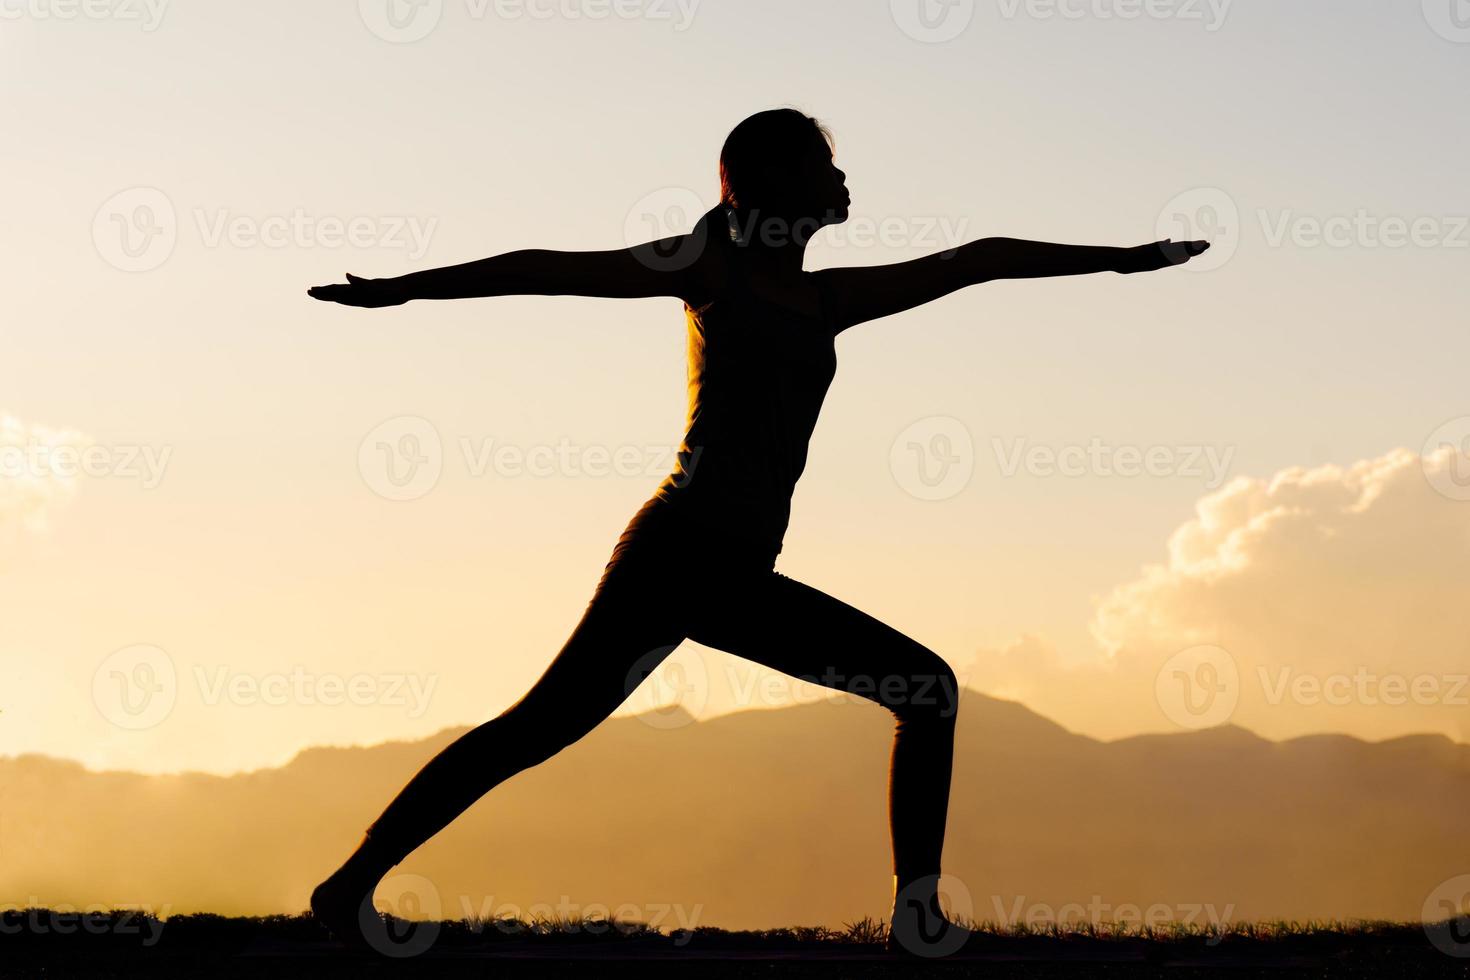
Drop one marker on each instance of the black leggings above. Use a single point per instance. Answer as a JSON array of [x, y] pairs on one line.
[[666, 583]]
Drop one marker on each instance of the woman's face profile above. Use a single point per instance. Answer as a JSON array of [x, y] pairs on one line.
[[824, 186]]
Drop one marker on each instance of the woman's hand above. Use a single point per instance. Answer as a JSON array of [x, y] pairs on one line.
[[1159, 255], [356, 291]]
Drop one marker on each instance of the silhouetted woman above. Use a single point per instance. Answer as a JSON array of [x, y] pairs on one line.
[[697, 559]]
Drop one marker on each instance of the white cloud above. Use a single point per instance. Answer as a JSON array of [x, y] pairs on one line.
[[1341, 594], [31, 486]]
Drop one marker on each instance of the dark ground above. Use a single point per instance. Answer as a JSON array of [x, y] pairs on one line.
[[49, 944]]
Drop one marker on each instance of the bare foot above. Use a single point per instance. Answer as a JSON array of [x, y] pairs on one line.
[[343, 904], [919, 926]]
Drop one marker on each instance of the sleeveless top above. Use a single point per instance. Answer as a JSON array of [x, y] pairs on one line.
[[758, 373]]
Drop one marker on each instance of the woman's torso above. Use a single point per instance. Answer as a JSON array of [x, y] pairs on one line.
[[758, 373]]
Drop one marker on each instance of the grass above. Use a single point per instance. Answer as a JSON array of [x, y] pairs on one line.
[[39, 942]]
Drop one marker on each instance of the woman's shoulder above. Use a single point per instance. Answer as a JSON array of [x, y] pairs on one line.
[[712, 274]]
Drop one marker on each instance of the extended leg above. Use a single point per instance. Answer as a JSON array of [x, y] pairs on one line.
[[613, 648]]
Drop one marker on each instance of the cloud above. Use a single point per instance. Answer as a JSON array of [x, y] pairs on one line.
[[1332, 599], [31, 484]]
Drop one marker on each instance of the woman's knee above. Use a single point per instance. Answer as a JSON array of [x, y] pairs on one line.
[[931, 693]]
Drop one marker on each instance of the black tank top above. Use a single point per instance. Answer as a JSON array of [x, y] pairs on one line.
[[758, 373]]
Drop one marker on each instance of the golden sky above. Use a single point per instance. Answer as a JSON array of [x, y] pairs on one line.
[[194, 501]]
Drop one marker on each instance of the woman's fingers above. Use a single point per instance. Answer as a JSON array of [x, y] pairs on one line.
[[337, 292], [355, 292], [1179, 252], [340, 292]]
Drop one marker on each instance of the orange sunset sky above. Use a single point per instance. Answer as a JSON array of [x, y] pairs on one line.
[[1237, 492]]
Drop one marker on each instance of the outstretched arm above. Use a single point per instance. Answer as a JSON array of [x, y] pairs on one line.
[[859, 294], [653, 269]]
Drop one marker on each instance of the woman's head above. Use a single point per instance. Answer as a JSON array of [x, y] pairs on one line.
[[779, 162]]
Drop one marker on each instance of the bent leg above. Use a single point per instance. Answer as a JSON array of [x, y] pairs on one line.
[[803, 632]]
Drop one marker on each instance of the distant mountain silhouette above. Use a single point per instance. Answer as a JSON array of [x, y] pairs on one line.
[[777, 817]]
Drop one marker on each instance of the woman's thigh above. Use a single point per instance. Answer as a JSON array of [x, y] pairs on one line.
[[803, 632]]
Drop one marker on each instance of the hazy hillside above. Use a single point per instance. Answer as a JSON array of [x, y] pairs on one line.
[[778, 817]]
